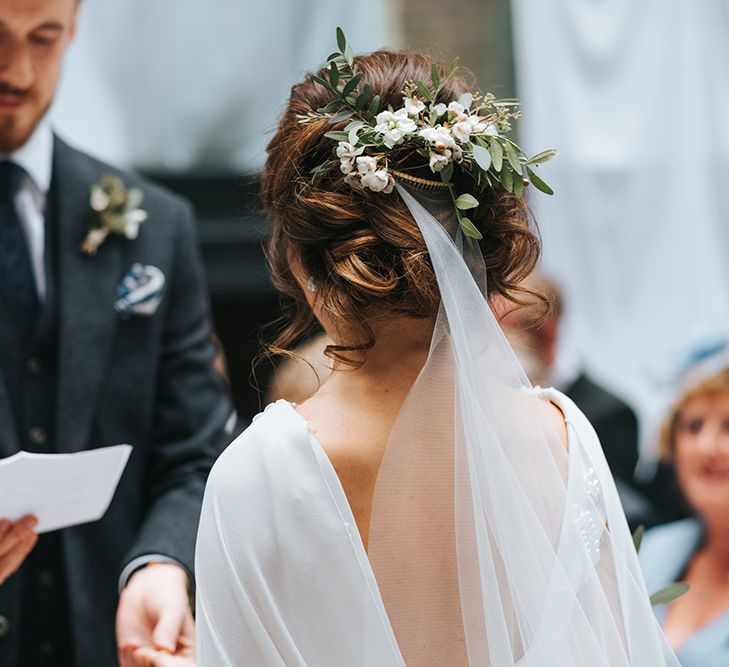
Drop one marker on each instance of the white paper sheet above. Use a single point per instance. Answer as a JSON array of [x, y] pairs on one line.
[[60, 489]]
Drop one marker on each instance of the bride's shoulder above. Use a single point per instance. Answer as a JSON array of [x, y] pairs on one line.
[[268, 451]]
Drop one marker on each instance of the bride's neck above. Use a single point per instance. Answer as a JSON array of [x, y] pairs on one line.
[[399, 353]]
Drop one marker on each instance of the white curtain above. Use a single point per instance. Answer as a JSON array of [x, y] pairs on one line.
[[174, 85], [635, 96]]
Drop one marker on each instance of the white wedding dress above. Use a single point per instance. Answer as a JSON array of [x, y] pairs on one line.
[[283, 577], [490, 544]]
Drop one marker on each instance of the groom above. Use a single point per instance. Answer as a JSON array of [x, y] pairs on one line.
[[104, 338]]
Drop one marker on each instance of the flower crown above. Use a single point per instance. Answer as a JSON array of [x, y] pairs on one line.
[[466, 134]]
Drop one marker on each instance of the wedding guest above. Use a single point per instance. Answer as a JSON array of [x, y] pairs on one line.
[[695, 439], [104, 338]]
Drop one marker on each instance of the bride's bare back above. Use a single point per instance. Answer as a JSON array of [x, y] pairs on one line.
[[352, 414]]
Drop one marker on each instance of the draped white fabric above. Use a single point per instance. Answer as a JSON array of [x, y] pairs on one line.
[[635, 96], [175, 85], [490, 542]]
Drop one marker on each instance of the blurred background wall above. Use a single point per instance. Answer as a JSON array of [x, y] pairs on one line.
[[633, 95]]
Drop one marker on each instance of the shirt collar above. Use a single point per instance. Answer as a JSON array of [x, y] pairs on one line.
[[35, 156]]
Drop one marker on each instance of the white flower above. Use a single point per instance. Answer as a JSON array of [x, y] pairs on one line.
[[477, 125], [131, 221], [456, 108], [366, 165], [99, 198], [346, 165], [394, 126], [353, 179], [491, 131], [377, 181], [440, 137], [413, 106], [440, 109], [438, 162], [462, 130], [345, 149]]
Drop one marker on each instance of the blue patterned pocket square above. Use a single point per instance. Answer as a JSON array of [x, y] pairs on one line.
[[140, 291]]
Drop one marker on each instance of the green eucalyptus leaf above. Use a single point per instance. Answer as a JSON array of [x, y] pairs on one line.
[[337, 136], [512, 157], [453, 68], [332, 106], [497, 154], [542, 157], [518, 185], [333, 74], [339, 117], [446, 173], [482, 157], [325, 83], [363, 97], [507, 179], [538, 183], [352, 130], [434, 76], [638, 536], [424, 90], [375, 105], [669, 593], [351, 84], [341, 40], [466, 201], [469, 229]]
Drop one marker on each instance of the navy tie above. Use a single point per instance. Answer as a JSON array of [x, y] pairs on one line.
[[17, 285]]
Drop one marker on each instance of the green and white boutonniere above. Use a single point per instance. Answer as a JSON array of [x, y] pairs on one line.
[[116, 211]]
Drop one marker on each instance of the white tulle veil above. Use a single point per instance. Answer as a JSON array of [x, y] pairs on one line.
[[491, 542]]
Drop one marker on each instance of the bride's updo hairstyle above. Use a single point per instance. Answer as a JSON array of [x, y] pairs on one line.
[[362, 249]]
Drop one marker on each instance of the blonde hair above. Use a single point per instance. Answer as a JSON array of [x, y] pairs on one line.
[[717, 383]]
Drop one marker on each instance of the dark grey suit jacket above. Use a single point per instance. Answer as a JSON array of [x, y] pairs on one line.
[[146, 381]]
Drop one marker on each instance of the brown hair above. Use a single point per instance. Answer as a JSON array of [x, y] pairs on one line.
[[363, 249], [718, 383]]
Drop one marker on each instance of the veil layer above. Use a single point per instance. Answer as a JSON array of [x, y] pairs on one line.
[[491, 541]]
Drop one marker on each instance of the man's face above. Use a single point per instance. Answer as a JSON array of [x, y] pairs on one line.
[[34, 35]]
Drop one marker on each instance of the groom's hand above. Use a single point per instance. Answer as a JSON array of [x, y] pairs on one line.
[[17, 540], [154, 613]]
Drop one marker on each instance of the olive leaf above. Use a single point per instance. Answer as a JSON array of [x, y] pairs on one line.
[[512, 157], [497, 154], [435, 77], [469, 229], [482, 157], [333, 74], [341, 40], [351, 84], [538, 183], [466, 201], [669, 593], [337, 136], [541, 158]]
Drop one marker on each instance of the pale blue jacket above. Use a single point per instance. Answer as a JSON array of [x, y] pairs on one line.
[[664, 556]]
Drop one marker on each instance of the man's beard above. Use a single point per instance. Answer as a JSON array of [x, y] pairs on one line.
[[12, 135]]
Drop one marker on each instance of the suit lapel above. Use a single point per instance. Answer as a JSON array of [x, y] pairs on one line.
[[86, 292]]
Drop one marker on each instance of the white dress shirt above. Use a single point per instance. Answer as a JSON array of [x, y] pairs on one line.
[[36, 158]]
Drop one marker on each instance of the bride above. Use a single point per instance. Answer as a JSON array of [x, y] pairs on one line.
[[426, 506]]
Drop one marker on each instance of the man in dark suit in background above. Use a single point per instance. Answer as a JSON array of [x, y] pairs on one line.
[[104, 338]]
